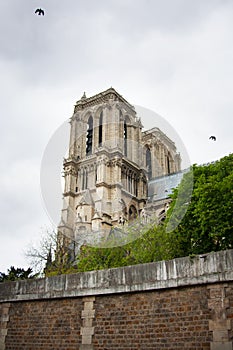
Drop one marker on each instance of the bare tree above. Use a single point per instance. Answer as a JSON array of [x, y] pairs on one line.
[[52, 253], [39, 252]]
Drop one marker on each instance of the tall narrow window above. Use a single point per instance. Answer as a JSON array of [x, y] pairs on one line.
[[89, 137], [125, 138], [168, 165], [95, 174], [101, 129], [84, 179], [148, 162], [76, 185]]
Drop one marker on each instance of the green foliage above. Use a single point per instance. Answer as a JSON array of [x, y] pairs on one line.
[[199, 220], [60, 260], [154, 245], [208, 223], [14, 274], [206, 226]]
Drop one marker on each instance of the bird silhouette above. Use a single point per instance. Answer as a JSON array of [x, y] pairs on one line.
[[212, 138], [39, 12]]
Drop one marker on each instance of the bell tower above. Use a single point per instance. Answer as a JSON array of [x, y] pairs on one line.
[[105, 172]]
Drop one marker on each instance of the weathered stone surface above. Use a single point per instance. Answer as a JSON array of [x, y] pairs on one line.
[[221, 346], [87, 339], [88, 313], [220, 336], [109, 153], [214, 267], [2, 343], [4, 319], [219, 324], [86, 347], [184, 304]]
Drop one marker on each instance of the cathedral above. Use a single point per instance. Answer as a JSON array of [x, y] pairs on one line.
[[110, 165]]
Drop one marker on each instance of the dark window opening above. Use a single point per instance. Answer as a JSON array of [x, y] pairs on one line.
[[125, 139], [168, 165], [148, 162], [84, 180], [76, 185], [101, 129], [89, 138], [132, 213]]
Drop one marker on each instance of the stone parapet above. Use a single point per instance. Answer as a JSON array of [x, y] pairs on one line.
[[184, 303], [202, 269]]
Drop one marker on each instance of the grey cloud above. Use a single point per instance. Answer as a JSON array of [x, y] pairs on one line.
[[173, 57], [81, 34]]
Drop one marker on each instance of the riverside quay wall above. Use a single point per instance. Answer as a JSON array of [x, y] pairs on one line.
[[184, 303]]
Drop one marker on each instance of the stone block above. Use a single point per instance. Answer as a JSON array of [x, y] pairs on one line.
[[87, 331], [2, 345], [4, 318], [3, 332], [88, 313], [86, 347], [5, 310], [87, 339], [218, 303], [220, 336], [221, 346], [219, 325], [87, 299], [88, 305], [87, 322]]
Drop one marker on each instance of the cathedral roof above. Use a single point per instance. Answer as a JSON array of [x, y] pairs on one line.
[[157, 133], [161, 187]]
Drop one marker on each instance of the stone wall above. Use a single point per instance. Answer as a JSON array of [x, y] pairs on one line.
[[184, 303]]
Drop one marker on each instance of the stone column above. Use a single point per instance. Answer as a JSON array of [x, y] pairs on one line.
[[4, 318], [219, 325], [87, 329], [72, 136]]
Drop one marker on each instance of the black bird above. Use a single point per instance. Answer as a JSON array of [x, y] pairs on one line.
[[212, 138], [39, 12]]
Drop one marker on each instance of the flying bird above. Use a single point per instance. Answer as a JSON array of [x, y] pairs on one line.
[[39, 12], [212, 138]]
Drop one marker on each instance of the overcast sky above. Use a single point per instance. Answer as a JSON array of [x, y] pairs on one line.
[[173, 57]]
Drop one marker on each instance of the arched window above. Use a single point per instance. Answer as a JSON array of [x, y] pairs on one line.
[[148, 162], [132, 213], [162, 216], [89, 138], [125, 138], [101, 129]]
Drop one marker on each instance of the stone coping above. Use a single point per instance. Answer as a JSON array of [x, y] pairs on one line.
[[201, 269]]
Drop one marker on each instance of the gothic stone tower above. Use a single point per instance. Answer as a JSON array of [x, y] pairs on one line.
[[109, 164], [105, 173]]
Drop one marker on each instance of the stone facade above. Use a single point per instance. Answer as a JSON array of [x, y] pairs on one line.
[[109, 165]]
